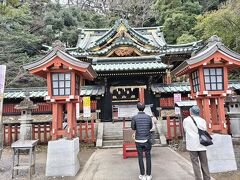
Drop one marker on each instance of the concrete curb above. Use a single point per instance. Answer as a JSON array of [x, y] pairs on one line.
[[99, 142]]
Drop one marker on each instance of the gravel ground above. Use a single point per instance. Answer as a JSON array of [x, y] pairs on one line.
[[232, 175], [85, 153], [41, 157]]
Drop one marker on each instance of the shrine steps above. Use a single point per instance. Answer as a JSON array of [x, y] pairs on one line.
[[113, 135]]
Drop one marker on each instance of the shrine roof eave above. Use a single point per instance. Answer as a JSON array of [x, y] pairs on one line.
[[214, 47], [130, 66], [113, 30], [127, 59], [39, 65], [123, 44], [184, 87], [41, 92]]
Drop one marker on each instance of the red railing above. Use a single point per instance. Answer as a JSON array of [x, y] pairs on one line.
[[40, 131], [86, 131], [174, 128]]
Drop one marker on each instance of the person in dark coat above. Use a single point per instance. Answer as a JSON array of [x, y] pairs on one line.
[[142, 124]]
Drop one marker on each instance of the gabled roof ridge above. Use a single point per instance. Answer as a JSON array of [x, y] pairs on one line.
[[185, 44]]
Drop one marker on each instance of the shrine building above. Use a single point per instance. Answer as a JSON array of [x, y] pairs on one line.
[[132, 65]]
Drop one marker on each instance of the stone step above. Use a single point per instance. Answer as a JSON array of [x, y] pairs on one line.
[[118, 143], [113, 143], [115, 137], [112, 132]]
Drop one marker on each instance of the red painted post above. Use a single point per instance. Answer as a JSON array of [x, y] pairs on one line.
[[86, 131], [45, 133], [168, 128], [9, 134], [92, 130], [80, 131], [39, 132], [50, 129], [175, 128], [4, 134], [33, 131], [15, 132]]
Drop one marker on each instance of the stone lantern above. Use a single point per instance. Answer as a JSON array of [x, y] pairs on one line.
[[208, 74], [26, 106], [64, 75]]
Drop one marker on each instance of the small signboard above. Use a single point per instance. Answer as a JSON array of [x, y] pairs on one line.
[[177, 111], [177, 97], [86, 106]]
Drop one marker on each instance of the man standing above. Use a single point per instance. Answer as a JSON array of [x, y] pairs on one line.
[[196, 150], [142, 123]]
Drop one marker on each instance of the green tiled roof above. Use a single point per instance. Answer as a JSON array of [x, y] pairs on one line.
[[151, 36], [186, 103], [129, 66], [36, 92], [183, 87]]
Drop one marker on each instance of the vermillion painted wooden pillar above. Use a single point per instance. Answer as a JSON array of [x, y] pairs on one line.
[[200, 105], [214, 111], [221, 115], [206, 112], [141, 94]]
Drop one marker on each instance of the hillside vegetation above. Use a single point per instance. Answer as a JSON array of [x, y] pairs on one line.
[[25, 27]]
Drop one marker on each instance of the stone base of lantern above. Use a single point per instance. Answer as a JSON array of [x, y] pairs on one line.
[[62, 159], [26, 131], [221, 157]]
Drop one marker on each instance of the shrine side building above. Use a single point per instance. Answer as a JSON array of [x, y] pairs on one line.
[[132, 65]]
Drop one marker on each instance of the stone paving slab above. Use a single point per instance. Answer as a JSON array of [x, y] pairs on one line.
[[108, 164]]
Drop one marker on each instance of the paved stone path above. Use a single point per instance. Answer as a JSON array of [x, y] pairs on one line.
[[108, 164]]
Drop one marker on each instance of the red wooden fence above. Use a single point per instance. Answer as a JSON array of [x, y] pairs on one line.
[[41, 131], [174, 128]]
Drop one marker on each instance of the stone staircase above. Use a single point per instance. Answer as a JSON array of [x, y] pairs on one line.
[[113, 135]]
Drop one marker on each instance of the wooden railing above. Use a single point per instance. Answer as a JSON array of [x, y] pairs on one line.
[[174, 128], [41, 131]]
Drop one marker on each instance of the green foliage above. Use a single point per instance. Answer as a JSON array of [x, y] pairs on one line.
[[186, 38], [175, 26], [177, 17], [25, 27], [224, 22], [17, 42]]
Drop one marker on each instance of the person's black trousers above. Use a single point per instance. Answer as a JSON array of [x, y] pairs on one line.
[[146, 147]]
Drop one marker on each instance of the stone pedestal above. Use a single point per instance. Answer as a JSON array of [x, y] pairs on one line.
[[235, 124], [62, 157], [220, 155]]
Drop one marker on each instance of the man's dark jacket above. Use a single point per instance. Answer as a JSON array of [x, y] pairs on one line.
[[142, 123]]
